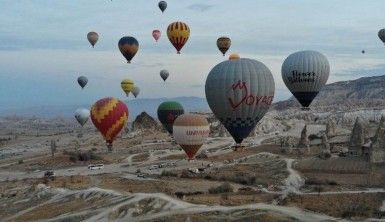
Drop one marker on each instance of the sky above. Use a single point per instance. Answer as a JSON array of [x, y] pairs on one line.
[[43, 44]]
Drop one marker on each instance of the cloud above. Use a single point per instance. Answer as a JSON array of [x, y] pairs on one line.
[[199, 7]]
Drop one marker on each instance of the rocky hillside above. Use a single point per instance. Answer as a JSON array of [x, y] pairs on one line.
[[145, 122], [366, 92]]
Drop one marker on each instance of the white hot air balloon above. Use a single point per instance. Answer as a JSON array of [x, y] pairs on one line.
[[82, 115], [190, 131], [239, 91], [135, 91], [305, 73]]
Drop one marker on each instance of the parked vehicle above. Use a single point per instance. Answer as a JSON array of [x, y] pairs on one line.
[[141, 175], [96, 166], [49, 173]]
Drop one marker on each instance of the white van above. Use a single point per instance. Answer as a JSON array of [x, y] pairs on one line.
[[96, 166]]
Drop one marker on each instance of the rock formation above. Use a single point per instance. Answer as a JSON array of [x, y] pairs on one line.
[[357, 138], [144, 122], [304, 141], [377, 148], [325, 152], [330, 129]]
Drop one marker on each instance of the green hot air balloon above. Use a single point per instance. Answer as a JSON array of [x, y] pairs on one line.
[[239, 91], [168, 112], [305, 73]]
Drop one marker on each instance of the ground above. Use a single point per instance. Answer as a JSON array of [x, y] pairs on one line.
[[148, 178]]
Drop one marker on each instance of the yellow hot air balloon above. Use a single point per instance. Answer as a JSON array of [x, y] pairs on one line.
[[127, 86], [178, 34]]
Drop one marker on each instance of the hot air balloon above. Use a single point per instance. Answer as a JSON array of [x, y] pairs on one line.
[[178, 34], [109, 115], [363, 51], [381, 35], [190, 132], [127, 86], [223, 44], [92, 37], [168, 112], [239, 91], [135, 91], [156, 34], [234, 56], [162, 5], [128, 46], [82, 115], [305, 73], [164, 74], [82, 80]]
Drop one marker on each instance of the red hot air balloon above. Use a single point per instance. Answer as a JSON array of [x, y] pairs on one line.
[[109, 116], [156, 34]]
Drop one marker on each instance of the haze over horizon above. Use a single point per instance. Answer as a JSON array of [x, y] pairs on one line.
[[44, 46]]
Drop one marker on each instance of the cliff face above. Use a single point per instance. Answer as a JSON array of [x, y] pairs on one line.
[[366, 92]]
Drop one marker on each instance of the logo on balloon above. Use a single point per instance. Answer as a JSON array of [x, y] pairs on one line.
[[247, 98], [297, 77]]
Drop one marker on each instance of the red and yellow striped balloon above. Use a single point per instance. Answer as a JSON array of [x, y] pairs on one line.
[[109, 116], [178, 34]]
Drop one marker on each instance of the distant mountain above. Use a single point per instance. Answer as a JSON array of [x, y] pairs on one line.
[[135, 107], [366, 92]]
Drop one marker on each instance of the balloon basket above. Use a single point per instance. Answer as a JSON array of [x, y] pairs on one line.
[[238, 147], [305, 109]]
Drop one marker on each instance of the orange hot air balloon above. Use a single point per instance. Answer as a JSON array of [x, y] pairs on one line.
[[156, 34], [109, 116], [178, 34]]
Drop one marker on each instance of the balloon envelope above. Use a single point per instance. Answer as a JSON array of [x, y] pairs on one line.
[[82, 115], [162, 5], [109, 115], [190, 132], [223, 44], [381, 35], [239, 92], [156, 34], [164, 74], [128, 46], [82, 80], [92, 37], [127, 86], [135, 91], [168, 112], [305, 73], [178, 34]]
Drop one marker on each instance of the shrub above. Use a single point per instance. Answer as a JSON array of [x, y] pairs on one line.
[[166, 173], [224, 188], [357, 210], [73, 158]]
